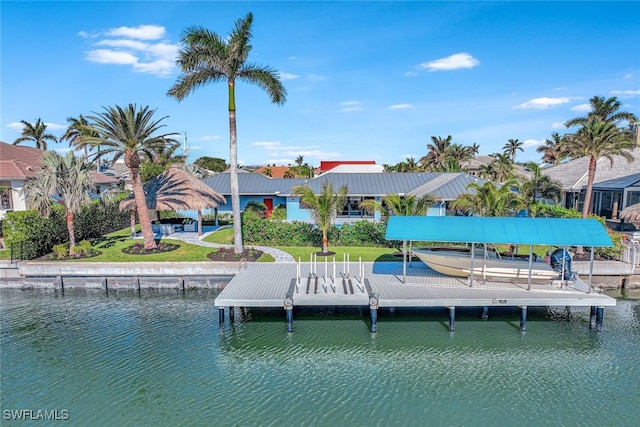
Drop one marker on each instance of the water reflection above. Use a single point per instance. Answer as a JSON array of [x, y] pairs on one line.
[[158, 358]]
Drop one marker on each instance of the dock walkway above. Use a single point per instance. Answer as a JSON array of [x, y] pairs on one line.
[[381, 285]]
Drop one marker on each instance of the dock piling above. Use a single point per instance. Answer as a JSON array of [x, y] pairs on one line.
[[221, 318], [452, 319], [599, 318], [485, 312], [523, 318], [373, 312], [592, 317], [288, 308], [231, 315]]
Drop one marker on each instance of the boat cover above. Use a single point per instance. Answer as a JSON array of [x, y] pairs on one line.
[[511, 230]]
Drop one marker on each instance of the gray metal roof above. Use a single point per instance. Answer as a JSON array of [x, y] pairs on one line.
[[619, 183], [572, 175], [447, 186]]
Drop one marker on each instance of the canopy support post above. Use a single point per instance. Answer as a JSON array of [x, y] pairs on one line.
[[530, 266], [473, 257], [590, 271], [404, 261]]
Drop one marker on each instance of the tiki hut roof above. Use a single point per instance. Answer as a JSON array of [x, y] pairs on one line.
[[631, 214], [176, 189]]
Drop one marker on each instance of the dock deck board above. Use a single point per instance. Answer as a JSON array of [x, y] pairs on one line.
[[267, 285]]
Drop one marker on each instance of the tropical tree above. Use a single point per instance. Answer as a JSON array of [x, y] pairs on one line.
[[489, 200], [436, 153], [37, 133], [62, 180], [503, 166], [77, 133], [599, 135], [208, 58], [130, 133], [598, 138], [323, 207], [551, 149], [538, 186], [214, 164], [395, 204], [267, 172], [512, 147]]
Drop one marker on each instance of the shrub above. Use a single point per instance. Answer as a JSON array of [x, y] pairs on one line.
[[84, 248], [61, 250]]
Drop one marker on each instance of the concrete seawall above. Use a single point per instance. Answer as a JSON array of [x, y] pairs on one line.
[[186, 275]]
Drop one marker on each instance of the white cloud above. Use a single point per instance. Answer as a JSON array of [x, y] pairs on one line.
[[266, 145], [288, 76], [18, 126], [531, 143], [628, 76], [399, 106], [543, 103], [582, 108], [410, 73], [453, 62], [106, 56], [141, 32], [350, 106], [557, 125], [626, 92], [156, 58], [206, 138]]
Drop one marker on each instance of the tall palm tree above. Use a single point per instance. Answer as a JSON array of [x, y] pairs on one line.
[[538, 186], [77, 133], [511, 148], [437, 149], [489, 200], [551, 149], [323, 207], [598, 138], [208, 58], [63, 180], [503, 166], [394, 204], [37, 133], [130, 133], [599, 135], [606, 109]]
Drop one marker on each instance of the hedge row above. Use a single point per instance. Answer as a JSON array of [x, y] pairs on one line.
[[34, 236], [258, 230]]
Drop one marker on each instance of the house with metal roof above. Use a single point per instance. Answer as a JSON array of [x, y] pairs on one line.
[[19, 163], [616, 185], [361, 186]]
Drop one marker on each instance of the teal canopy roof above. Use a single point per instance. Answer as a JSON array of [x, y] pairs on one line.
[[517, 231]]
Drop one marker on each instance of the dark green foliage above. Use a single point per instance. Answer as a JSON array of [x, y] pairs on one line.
[[543, 210], [149, 170], [214, 164], [38, 235], [257, 207], [262, 231]]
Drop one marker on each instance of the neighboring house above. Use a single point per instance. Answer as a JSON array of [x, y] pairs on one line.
[[19, 163], [615, 186], [327, 165], [474, 166], [362, 186]]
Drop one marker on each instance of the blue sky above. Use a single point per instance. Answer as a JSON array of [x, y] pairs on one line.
[[365, 80]]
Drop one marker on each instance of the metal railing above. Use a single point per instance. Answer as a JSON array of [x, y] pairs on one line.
[[631, 253]]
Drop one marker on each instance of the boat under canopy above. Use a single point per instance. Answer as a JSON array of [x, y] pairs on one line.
[[561, 232]]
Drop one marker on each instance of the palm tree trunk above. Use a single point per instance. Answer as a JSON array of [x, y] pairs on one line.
[[72, 234], [590, 178], [233, 159], [143, 212], [325, 241]]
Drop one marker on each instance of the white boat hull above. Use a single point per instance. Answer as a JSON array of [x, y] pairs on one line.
[[458, 263]]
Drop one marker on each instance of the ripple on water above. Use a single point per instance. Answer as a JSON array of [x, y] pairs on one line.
[[158, 358]]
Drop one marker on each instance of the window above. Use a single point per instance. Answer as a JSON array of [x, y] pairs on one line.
[[6, 202]]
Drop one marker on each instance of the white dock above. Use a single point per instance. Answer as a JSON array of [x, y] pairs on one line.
[[267, 285], [387, 285]]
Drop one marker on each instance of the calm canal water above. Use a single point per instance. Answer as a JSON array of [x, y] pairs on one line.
[[158, 359]]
